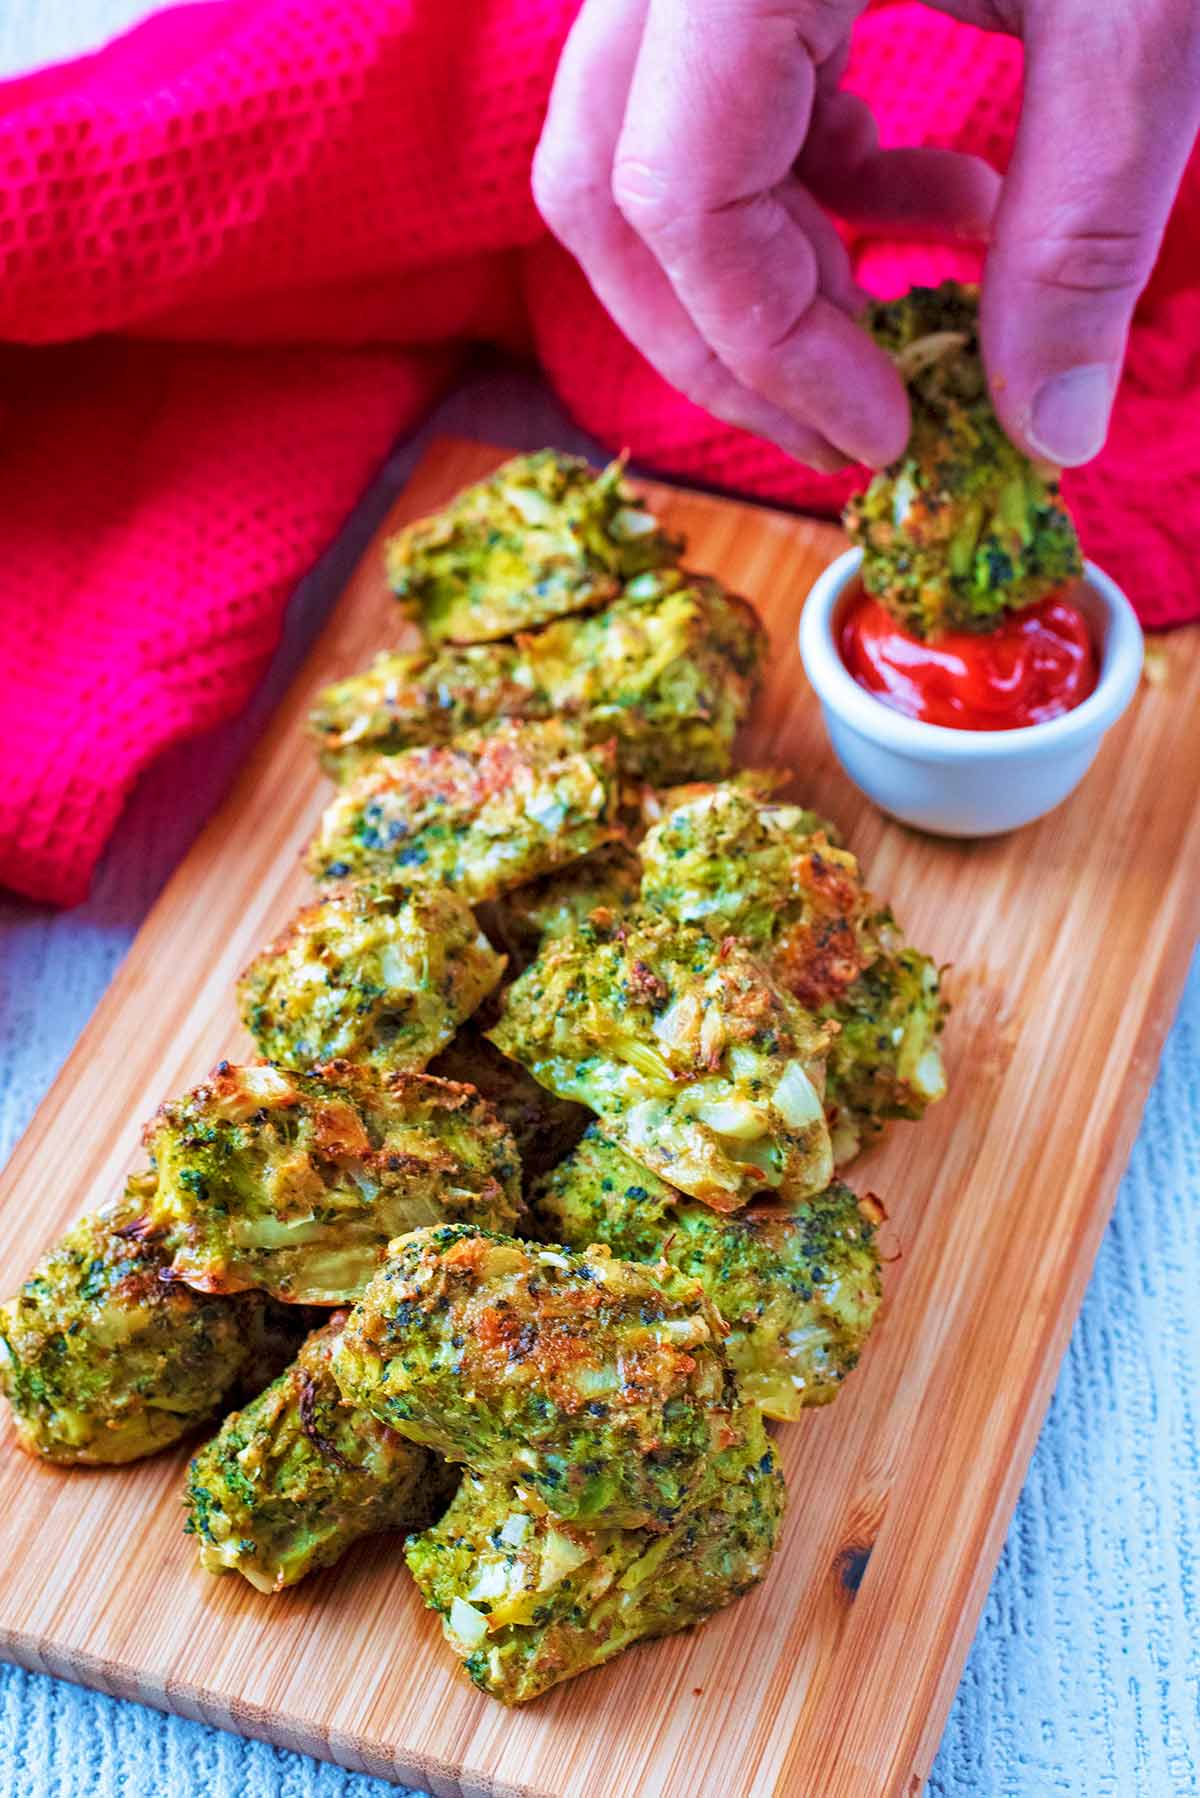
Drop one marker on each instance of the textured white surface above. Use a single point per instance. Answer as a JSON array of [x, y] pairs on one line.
[[33, 32], [1085, 1676]]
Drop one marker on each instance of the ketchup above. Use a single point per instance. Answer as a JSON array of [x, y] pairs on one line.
[[1036, 664]]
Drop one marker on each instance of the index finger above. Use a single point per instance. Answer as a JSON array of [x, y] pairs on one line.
[[572, 184], [719, 107]]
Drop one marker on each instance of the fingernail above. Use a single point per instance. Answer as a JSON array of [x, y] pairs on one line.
[[1070, 414]]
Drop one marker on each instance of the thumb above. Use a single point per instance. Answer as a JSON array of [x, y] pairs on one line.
[[1110, 112]]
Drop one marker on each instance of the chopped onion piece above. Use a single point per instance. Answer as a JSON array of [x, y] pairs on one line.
[[468, 1624], [493, 1580], [796, 1099], [628, 523], [257, 1086], [533, 506], [683, 1332], [732, 1117], [560, 1556], [929, 1077]]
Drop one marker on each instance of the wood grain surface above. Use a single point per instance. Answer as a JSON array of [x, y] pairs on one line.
[[1068, 944]]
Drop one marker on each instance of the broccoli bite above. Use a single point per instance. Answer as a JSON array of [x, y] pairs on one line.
[[479, 815], [291, 1481], [295, 1183], [602, 1386], [372, 973], [767, 873], [886, 1060], [798, 1286], [542, 537], [964, 526], [669, 670], [406, 698], [543, 1127], [599, 889], [105, 1358], [699, 1065], [527, 1601], [738, 864]]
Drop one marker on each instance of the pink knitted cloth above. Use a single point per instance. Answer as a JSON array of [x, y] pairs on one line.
[[238, 249]]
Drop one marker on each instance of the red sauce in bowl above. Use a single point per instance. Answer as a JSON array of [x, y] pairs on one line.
[[1037, 664]]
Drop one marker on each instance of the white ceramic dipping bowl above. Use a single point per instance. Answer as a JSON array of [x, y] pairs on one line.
[[966, 783]]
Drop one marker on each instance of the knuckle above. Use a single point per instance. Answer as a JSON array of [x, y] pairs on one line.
[[645, 196], [822, 27], [692, 369], [710, 387], [1100, 261], [705, 383], [566, 195], [776, 319], [549, 188], [696, 371], [761, 320]]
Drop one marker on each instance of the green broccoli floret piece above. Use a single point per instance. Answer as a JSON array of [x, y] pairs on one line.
[[964, 527]]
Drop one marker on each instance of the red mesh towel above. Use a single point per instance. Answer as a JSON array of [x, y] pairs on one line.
[[238, 249]]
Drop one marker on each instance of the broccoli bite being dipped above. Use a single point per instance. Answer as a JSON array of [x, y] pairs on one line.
[[699, 1065], [295, 1183], [669, 670], [290, 1482], [372, 973], [105, 1358], [527, 1601], [544, 1128], [544, 536], [797, 1285], [964, 526], [601, 1386], [748, 866], [479, 815]]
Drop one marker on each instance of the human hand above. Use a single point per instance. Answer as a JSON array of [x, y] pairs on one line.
[[692, 146]]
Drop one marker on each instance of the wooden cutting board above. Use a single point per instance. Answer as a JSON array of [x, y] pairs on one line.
[[1069, 944]]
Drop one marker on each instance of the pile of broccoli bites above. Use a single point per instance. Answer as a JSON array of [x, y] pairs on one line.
[[964, 527], [527, 1215]]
